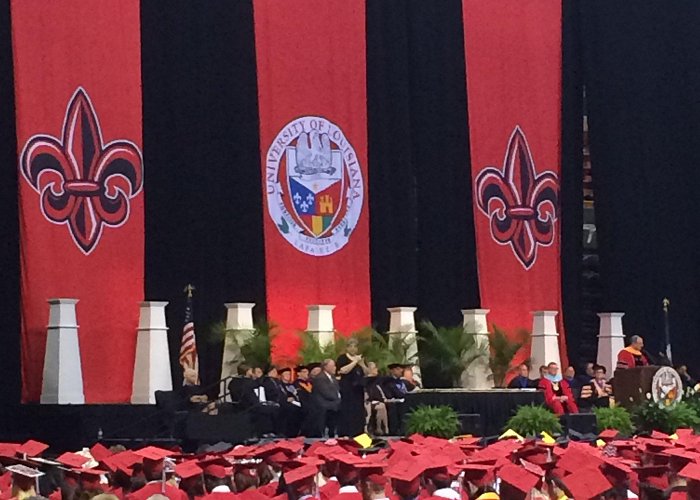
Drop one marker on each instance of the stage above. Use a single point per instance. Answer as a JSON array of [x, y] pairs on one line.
[[70, 427]]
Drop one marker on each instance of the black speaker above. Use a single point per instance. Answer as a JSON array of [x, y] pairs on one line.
[[580, 425], [470, 423]]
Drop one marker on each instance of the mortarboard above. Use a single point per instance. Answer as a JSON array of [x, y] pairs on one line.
[[216, 470], [90, 478], [283, 370], [27, 473], [73, 460], [691, 471], [153, 453], [653, 475], [306, 472], [391, 366], [518, 478], [586, 484], [608, 434], [99, 452], [123, 461], [188, 469], [32, 448], [478, 474]]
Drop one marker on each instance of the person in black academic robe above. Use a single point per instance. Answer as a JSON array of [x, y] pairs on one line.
[[522, 380], [395, 388], [352, 369]]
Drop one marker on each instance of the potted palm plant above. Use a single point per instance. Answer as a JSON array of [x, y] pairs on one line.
[[503, 351]]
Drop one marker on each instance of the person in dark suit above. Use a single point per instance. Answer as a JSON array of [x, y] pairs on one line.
[[522, 381], [249, 394], [352, 370], [395, 388], [326, 396]]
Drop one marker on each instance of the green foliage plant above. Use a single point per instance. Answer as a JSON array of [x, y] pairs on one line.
[[437, 421], [445, 353], [649, 416], [531, 420], [503, 351], [616, 417]]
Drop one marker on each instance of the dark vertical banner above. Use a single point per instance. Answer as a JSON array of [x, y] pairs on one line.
[[200, 132], [513, 53], [313, 144], [9, 229], [418, 149], [78, 98], [642, 73]]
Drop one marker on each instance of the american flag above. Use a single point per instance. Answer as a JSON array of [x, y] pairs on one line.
[[188, 346]]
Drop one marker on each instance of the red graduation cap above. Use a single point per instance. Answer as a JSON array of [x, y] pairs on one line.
[[691, 471], [73, 460], [32, 448], [587, 484], [188, 469], [478, 474], [153, 453], [300, 474], [518, 478], [609, 434], [99, 452], [90, 478], [216, 470]]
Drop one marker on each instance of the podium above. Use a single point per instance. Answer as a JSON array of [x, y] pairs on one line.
[[631, 385]]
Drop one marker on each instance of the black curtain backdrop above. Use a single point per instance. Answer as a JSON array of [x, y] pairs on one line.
[[581, 345], [202, 165], [10, 389], [643, 89], [422, 225]]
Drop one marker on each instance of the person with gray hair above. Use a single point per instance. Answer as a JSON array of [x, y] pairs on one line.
[[633, 355], [326, 398]]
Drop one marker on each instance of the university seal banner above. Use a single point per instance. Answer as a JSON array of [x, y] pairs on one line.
[[313, 141], [513, 52], [78, 98]]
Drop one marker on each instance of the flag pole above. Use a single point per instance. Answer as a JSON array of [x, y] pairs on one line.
[[667, 329]]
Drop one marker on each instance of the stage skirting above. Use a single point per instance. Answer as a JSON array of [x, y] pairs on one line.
[[495, 406]]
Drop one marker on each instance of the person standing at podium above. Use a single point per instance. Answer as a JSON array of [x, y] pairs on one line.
[[632, 356]]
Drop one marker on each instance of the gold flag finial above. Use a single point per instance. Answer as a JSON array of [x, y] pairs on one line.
[[188, 290], [666, 303]]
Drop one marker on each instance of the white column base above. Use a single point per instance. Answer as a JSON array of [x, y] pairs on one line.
[[63, 377], [478, 375], [545, 339], [320, 323], [611, 339], [239, 328], [152, 364], [402, 328]]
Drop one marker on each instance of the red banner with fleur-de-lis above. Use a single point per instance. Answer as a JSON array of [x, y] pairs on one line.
[[78, 98], [313, 140], [513, 54]]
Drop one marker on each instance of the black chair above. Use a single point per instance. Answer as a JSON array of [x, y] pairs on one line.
[[173, 415]]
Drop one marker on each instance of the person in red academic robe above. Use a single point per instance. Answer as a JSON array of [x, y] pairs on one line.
[[557, 393], [632, 355]]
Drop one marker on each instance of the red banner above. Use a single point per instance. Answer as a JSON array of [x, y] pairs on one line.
[[78, 97], [313, 142], [513, 52]]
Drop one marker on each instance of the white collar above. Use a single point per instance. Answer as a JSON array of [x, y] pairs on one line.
[[348, 489]]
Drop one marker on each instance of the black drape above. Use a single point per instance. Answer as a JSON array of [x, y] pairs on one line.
[[202, 164], [423, 250], [10, 374], [643, 92], [580, 344]]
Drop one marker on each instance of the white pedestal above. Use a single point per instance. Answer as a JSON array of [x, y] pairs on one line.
[[63, 377], [402, 328], [239, 328], [478, 375], [320, 323], [611, 339], [545, 339], [152, 364]]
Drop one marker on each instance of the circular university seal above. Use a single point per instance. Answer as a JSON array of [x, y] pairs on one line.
[[666, 387], [314, 185]]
